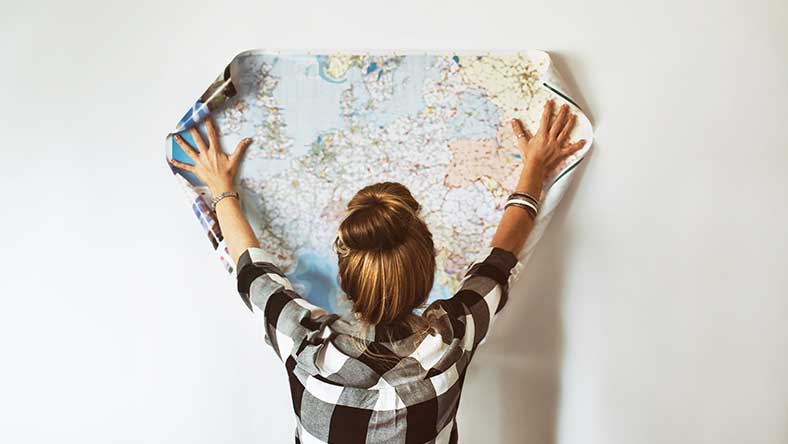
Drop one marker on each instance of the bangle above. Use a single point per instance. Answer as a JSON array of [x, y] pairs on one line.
[[527, 208], [533, 202], [524, 202], [525, 195], [221, 196]]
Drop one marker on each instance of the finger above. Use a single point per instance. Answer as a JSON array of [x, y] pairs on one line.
[[181, 165], [198, 139], [573, 147], [238, 154], [547, 115], [560, 121], [213, 134], [520, 133], [564, 134], [191, 152]]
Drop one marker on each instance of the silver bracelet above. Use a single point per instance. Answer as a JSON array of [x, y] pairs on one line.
[[221, 196]]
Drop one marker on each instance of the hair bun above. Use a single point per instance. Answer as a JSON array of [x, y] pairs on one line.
[[379, 218]]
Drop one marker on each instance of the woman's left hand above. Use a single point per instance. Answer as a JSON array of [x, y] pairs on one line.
[[214, 168]]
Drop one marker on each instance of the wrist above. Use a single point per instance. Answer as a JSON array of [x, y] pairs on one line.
[[227, 195], [534, 167], [221, 187]]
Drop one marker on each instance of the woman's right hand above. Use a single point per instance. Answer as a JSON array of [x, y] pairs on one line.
[[550, 145], [212, 166]]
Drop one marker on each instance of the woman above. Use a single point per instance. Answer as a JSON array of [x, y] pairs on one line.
[[381, 374]]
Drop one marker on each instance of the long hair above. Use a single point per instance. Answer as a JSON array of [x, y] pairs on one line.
[[386, 256]]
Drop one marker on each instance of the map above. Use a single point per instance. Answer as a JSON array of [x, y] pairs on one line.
[[326, 125]]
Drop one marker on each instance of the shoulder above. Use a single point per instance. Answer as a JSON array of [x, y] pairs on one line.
[[495, 263], [290, 320], [258, 277], [482, 293]]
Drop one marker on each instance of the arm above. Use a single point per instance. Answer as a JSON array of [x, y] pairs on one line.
[[542, 153], [484, 290], [516, 223], [235, 228], [289, 319], [217, 171]]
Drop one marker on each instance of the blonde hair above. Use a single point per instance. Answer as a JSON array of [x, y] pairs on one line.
[[386, 256]]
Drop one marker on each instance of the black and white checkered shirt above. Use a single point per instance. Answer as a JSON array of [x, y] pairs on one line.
[[342, 394]]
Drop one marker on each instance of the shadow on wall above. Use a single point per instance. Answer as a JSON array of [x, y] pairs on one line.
[[513, 386]]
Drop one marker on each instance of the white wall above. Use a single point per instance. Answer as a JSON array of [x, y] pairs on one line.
[[654, 310]]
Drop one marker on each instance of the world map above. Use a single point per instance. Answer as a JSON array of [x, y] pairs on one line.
[[324, 126]]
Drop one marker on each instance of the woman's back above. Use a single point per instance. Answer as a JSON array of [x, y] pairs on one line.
[[387, 384]]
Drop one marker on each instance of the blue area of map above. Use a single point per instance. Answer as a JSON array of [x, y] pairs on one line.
[[319, 277], [308, 103], [409, 101], [476, 118], [180, 156], [309, 99]]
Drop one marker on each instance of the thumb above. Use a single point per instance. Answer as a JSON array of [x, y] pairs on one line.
[[243, 145]]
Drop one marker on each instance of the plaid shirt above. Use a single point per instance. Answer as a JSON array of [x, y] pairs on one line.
[[343, 394]]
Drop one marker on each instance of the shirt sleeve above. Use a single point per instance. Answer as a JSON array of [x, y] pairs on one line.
[[290, 320], [483, 292]]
